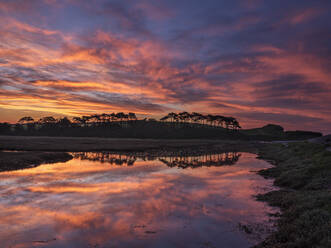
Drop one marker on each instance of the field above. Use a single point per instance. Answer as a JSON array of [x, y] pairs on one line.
[[35, 143]]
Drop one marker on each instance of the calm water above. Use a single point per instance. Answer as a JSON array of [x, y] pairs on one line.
[[111, 200]]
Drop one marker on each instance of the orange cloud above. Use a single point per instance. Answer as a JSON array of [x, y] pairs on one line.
[[128, 67]]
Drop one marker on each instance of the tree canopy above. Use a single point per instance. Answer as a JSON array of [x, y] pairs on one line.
[[182, 119]]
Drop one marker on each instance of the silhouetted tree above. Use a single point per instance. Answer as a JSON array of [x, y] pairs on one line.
[[113, 117], [78, 120], [209, 119], [184, 117], [64, 122], [47, 120], [132, 116], [104, 118], [164, 118], [26, 120]]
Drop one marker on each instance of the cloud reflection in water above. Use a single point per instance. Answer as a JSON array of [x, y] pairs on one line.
[[90, 202]]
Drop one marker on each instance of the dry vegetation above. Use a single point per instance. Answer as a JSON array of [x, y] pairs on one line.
[[303, 171]]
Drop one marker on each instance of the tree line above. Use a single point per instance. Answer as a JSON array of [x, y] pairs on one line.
[[182, 119], [197, 118], [83, 121]]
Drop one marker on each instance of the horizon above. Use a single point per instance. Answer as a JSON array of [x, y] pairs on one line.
[[36, 120], [247, 59]]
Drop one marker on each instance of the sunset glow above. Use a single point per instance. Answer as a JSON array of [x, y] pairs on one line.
[[260, 61]]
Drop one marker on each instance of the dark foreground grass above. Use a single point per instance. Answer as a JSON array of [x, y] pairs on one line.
[[88, 144], [303, 172], [21, 160]]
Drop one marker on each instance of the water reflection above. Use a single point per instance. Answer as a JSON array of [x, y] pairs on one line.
[[173, 159], [86, 202], [228, 158]]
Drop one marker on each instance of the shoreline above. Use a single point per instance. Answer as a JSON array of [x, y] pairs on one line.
[[301, 171]]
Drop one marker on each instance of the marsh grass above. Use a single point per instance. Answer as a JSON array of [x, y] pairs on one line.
[[303, 171]]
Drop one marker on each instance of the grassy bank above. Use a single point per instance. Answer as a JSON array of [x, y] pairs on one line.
[[72, 144], [303, 172], [21, 160]]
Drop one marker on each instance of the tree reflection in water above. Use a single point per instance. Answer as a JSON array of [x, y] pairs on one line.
[[171, 159], [98, 200]]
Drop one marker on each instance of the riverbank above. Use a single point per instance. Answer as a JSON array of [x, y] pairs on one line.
[[31, 151], [21, 160], [303, 173], [75, 144]]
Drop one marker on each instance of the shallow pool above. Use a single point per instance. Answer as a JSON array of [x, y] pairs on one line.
[[112, 200]]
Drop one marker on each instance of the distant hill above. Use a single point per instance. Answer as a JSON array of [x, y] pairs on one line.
[[272, 132], [268, 130]]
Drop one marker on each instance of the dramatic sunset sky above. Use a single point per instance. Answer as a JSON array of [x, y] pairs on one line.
[[260, 61]]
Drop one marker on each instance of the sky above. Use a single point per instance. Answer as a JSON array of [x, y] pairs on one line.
[[259, 61]]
